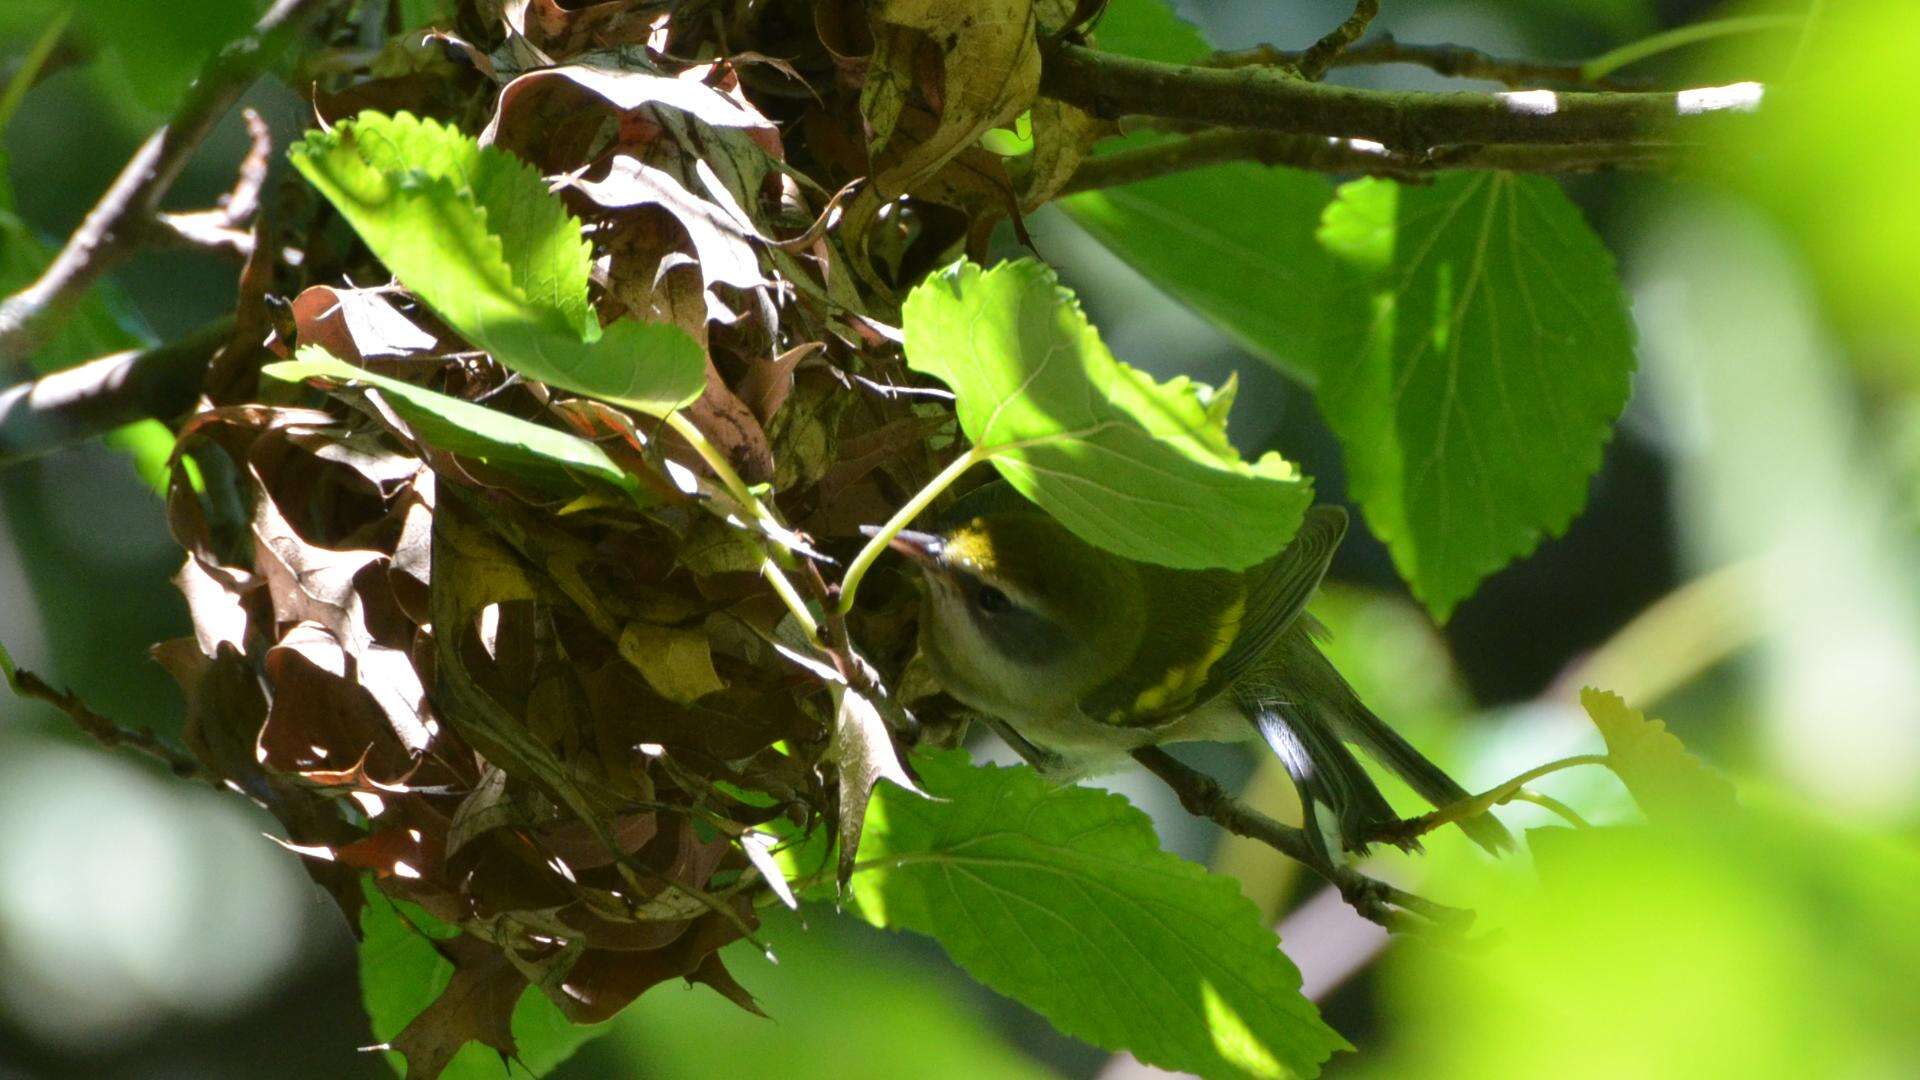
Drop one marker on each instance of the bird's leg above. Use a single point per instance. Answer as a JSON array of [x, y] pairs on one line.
[[1046, 761], [1202, 796]]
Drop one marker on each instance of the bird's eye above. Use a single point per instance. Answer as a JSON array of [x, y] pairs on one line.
[[992, 600]]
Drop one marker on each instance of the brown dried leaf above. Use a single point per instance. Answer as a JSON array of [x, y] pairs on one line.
[[357, 324], [476, 1006], [677, 662], [1063, 134], [862, 754], [990, 62]]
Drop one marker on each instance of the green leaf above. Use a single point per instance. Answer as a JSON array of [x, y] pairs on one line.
[[461, 427], [1235, 243], [1140, 468], [1475, 401], [402, 975], [1150, 30], [473, 232], [1669, 783], [1062, 898]]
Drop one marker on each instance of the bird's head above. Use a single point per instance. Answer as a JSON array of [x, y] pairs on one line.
[[1022, 616]]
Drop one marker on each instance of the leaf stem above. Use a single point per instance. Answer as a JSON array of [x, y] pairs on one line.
[[1680, 36], [1494, 796], [30, 67], [850, 581], [736, 487]]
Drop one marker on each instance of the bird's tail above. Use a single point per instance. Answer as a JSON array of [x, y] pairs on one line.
[[1310, 733]]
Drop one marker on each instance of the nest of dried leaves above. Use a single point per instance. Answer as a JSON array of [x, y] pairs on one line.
[[572, 724]]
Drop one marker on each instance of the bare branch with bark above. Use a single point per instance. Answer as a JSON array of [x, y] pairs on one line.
[[122, 221], [1413, 122]]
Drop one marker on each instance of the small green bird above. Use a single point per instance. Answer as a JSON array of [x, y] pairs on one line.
[[1079, 656]]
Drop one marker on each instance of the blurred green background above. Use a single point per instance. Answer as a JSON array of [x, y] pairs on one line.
[[1746, 569]]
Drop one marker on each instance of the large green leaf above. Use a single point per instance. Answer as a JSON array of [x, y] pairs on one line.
[[1474, 403], [461, 427], [1062, 898], [1235, 243], [474, 234], [1138, 467]]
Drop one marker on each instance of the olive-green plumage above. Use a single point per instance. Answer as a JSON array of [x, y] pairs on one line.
[[1080, 655]]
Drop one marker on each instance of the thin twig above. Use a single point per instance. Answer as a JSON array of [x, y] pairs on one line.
[[1332, 155], [1452, 61], [1325, 52], [104, 731], [93, 398], [119, 223], [1203, 797], [1413, 122]]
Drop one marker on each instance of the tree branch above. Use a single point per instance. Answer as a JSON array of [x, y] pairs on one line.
[[119, 223], [1324, 53], [104, 731], [1377, 900], [1412, 122], [1322, 154], [93, 398], [1452, 61]]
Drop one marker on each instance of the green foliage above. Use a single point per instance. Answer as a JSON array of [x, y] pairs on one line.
[[543, 454], [830, 980], [473, 232], [1497, 355], [1827, 159], [1126, 463], [1062, 898], [403, 975], [154, 50], [1150, 30], [1236, 243], [1764, 944]]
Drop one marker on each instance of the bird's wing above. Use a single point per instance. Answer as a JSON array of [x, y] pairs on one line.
[[1277, 594], [1210, 627]]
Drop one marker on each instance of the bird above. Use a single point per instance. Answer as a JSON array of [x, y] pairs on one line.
[[1078, 656]]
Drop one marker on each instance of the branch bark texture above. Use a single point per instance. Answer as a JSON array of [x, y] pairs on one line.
[[1413, 122]]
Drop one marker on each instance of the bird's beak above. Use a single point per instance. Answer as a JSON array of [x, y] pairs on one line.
[[922, 548]]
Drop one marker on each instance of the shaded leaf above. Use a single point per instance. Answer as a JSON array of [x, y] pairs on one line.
[[862, 754], [1670, 784], [1129, 464], [1061, 898], [989, 64], [1236, 243], [676, 661], [1474, 404]]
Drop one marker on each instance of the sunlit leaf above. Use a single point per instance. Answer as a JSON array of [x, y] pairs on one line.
[[1771, 945], [1138, 467], [1668, 782], [1474, 403], [474, 234], [1061, 898], [461, 427]]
